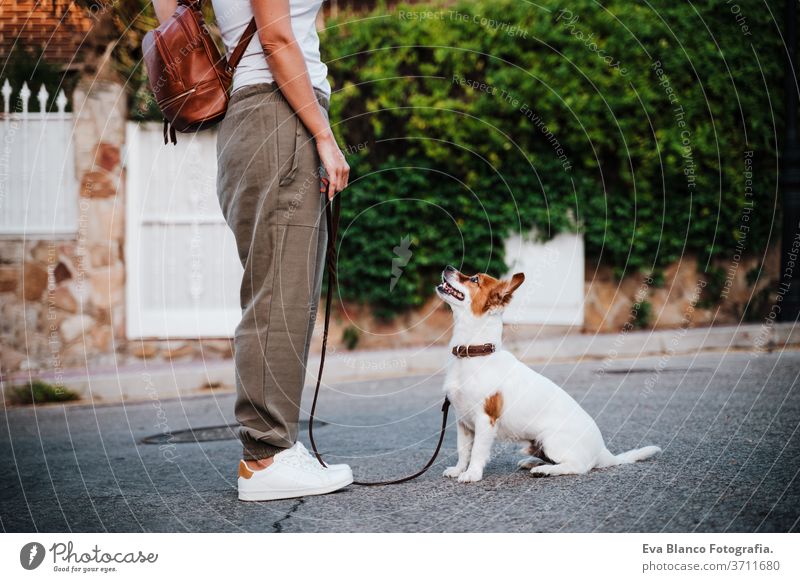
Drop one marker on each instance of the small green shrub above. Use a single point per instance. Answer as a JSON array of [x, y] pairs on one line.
[[350, 337], [642, 315], [715, 278], [759, 305], [657, 278], [39, 392], [753, 274]]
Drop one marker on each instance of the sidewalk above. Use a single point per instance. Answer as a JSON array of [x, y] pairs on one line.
[[169, 380]]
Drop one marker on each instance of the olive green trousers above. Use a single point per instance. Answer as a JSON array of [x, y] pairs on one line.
[[268, 185]]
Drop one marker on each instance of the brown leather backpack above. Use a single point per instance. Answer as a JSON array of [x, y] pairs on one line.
[[186, 73]]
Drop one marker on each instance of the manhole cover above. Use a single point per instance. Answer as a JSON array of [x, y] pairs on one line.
[[652, 371], [224, 432]]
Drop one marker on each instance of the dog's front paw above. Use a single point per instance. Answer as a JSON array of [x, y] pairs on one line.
[[453, 472], [470, 476], [541, 471]]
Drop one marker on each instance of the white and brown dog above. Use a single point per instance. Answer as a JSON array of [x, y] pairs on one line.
[[497, 396]]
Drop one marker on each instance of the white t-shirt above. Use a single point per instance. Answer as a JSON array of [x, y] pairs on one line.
[[234, 15]]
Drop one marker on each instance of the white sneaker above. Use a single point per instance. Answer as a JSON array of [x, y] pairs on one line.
[[294, 472]]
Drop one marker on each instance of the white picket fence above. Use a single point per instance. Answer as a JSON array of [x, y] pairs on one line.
[[38, 187]]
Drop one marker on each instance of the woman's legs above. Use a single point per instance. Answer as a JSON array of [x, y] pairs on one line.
[[268, 184]]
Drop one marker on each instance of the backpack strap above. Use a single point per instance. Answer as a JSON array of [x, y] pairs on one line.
[[238, 52], [247, 36]]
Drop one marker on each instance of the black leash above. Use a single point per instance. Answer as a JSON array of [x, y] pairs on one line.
[[332, 219]]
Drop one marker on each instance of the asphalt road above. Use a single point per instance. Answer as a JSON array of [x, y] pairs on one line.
[[727, 424]]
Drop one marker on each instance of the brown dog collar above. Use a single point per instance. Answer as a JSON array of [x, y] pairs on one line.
[[473, 351]]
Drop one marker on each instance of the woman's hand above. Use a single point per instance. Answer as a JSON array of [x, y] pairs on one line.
[[333, 161]]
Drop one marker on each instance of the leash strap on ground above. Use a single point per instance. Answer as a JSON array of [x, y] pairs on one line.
[[332, 219]]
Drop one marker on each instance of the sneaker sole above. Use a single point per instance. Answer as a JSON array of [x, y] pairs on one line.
[[274, 495]]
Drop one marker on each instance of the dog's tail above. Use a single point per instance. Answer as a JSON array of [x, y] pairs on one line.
[[609, 460]]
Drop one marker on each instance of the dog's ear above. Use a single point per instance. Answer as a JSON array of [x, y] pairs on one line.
[[504, 291], [517, 280], [507, 288]]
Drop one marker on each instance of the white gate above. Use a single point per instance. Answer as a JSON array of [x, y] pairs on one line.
[[183, 271]]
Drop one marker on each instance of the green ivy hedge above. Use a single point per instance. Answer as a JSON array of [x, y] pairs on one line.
[[468, 121]]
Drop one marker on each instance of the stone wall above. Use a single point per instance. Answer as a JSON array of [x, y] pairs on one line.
[[62, 299], [729, 293]]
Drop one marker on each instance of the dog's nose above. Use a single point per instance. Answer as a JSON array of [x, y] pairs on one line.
[[450, 269]]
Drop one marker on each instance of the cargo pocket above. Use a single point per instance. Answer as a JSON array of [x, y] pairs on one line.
[[290, 141], [295, 277]]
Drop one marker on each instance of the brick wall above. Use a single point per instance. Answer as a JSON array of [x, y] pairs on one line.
[[56, 26]]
